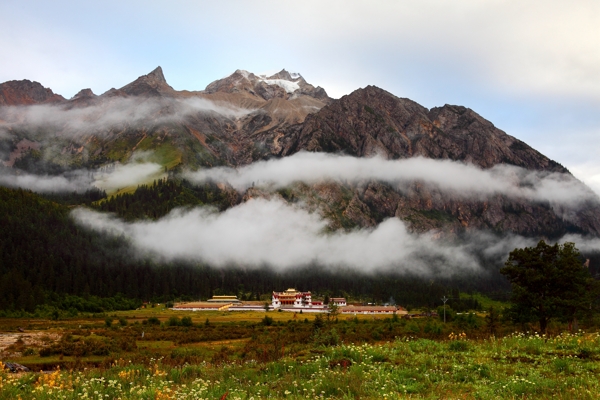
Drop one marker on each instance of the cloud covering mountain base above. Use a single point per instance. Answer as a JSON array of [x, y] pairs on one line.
[[272, 233]]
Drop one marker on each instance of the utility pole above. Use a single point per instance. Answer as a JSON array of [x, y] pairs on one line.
[[445, 299]]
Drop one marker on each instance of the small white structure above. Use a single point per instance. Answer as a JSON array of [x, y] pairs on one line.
[[338, 301], [202, 306], [372, 310]]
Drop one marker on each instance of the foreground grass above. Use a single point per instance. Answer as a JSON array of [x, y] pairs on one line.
[[514, 367]]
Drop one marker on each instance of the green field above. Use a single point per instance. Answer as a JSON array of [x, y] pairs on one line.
[[150, 354]]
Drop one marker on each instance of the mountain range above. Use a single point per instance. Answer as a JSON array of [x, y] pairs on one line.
[[244, 119]]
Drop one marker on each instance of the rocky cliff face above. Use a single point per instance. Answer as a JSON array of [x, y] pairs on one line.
[[372, 121], [251, 117]]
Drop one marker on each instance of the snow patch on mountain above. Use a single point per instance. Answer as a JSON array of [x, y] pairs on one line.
[[288, 86]]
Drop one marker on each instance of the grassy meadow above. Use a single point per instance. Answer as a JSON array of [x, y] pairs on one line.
[[161, 354]]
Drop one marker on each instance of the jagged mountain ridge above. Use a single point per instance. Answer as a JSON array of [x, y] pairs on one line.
[[280, 115], [202, 138], [372, 121]]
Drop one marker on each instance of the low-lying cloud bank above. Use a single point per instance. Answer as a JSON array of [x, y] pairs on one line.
[[273, 233], [107, 114], [76, 181], [109, 179], [125, 175], [453, 178]]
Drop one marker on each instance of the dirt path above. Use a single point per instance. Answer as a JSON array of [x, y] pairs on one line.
[[30, 339]]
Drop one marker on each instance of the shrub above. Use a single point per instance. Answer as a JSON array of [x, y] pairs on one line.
[[450, 314], [458, 345], [29, 352], [326, 338], [561, 365], [153, 321], [432, 327]]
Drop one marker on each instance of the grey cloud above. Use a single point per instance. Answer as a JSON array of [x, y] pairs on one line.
[[273, 233], [121, 176], [585, 244], [110, 178], [75, 181], [454, 178], [109, 114]]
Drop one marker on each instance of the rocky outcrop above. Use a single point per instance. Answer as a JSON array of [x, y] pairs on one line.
[[25, 92], [83, 98], [152, 84]]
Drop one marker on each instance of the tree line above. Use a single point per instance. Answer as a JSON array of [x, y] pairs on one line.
[[155, 200], [43, 251]]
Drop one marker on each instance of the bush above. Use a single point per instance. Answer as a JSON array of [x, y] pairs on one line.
[[153, 321], [450, 314], [186, 321], [458, 345], [434, 328], [561, 365], [413, 327], [82, 346], [29, 352], [326, 338]]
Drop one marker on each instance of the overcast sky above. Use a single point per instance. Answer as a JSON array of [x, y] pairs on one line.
[[532, 68]]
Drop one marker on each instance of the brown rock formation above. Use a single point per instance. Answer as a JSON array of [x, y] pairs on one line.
[[25, 92], [152, 84], [372, 121]]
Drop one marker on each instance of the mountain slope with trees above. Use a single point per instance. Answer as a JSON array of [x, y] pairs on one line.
[[45, 258], [234, 122]]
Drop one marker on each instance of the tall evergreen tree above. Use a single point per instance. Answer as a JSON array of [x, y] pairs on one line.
[[549, 282]]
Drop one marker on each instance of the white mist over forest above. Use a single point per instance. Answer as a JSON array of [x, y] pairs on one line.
[[281, 236]]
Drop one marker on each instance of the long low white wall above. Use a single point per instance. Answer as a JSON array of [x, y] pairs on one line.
[[367, 312], [242, 308], [305, 310]]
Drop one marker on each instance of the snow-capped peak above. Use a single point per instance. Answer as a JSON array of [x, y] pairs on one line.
[[243, 72], [263, 85]]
